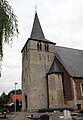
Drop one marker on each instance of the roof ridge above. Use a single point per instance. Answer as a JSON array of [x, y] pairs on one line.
[[68, 48]]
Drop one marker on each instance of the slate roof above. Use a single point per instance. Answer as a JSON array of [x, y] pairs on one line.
[[37, 32], [71, 59], [55, 68]]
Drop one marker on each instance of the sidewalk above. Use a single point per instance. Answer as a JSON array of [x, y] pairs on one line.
[[17, 116]]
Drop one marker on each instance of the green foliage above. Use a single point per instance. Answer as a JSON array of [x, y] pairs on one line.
[[17, 92], [8, 24], [3, 99]]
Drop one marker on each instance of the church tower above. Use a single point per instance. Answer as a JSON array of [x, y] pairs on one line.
[[37, 57]]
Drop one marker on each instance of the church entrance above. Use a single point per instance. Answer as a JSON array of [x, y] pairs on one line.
[[26, 102]]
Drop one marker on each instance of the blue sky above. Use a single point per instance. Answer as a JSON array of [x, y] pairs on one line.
[[61, 21]]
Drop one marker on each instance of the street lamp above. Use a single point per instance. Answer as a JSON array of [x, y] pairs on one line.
[[15, 96]]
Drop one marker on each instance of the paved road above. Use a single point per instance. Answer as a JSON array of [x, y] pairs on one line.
[[37, 115], [24, 116], [16, 116]]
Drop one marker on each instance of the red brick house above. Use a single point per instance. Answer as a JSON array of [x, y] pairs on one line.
[[13, 97], [11, 104]]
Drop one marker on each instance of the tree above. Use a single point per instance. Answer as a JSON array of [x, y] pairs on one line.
[[3, 99], [17, 92], [8, 24]]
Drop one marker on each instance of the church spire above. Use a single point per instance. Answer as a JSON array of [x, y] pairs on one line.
[[37, 32]]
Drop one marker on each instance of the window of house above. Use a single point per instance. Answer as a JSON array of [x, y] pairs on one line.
[[81, 88]]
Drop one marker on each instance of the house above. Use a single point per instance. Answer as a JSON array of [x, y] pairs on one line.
[[14, 97], [52, 76], [11, 104]]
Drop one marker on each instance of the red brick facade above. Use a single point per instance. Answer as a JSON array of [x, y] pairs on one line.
[[78, 83]]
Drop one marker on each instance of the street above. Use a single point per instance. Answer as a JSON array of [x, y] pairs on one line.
[[26, 116]]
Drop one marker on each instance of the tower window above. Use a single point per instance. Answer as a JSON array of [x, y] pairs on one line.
[[46, 47], [39, 46]]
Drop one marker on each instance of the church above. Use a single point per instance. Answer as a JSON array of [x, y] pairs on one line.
[[52, 76]]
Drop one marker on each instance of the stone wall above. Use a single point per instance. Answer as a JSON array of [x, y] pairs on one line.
[[55, 87], [35, 65]]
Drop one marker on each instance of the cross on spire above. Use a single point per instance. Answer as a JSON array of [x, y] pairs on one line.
[[35, 8]]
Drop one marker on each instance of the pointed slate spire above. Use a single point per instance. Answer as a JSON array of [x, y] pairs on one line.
[[37, 32]]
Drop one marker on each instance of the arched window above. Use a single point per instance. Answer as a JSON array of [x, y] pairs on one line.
[[46, 47], [39, 46]]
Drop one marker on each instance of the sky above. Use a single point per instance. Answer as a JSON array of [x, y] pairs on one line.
[[62, 23]]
